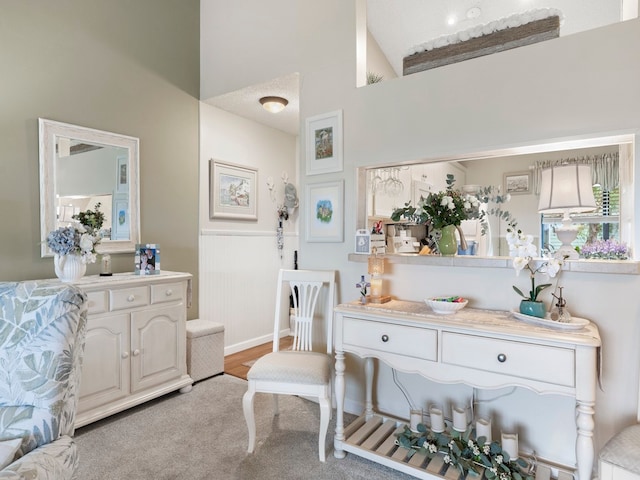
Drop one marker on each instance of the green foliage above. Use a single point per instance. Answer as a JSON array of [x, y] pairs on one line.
[[92, 219], [374, 78]]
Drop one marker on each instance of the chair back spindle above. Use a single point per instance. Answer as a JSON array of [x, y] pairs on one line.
[[305, 296]]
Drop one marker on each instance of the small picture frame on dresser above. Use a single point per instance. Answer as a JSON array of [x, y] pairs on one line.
[[147, 259]]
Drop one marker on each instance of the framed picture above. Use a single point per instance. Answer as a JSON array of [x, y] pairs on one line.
[[324, 143], [517, 183], [147, 259], [233, 191], [123, 175], [363, 242], [325, 212]]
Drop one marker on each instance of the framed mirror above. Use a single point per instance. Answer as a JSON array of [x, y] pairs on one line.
[[82, 168]]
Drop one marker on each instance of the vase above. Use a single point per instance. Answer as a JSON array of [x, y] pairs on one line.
[[533, 309], [448, 245], [69, 268]]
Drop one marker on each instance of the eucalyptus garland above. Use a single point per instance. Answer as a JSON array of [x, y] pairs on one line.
[[467, 454]]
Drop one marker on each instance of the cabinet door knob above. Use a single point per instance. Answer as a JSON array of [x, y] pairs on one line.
[[385, 338], [131, 298], [502, 357], [169, 292], [125, 354], [136, 352]]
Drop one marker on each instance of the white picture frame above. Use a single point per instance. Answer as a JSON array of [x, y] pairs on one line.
[[324, 143], [325, 212], [226, 180], [517, 183]]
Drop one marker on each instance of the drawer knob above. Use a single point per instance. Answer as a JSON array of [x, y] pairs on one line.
[[385, 338], [502, 357], [125, 354], [136, 352], [131, 298], [169, 292]]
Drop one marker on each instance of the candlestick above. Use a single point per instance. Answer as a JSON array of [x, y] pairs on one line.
[[510, 445], [459, 418], [483, 429], [415, 417], [437, 419]]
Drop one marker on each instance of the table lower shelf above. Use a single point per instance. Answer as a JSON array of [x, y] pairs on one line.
[[375, 440]]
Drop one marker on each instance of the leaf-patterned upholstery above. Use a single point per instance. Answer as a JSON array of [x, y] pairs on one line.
[[42, 331]]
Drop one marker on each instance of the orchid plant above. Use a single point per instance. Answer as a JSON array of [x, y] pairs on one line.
[[522, 248]]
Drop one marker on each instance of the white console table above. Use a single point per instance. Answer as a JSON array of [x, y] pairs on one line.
[[480, 348]]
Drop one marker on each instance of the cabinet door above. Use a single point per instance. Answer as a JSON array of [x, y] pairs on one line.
[[158, 343], [105, 365]]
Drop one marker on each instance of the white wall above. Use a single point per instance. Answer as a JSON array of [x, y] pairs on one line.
[[585, 84], [239, 259]]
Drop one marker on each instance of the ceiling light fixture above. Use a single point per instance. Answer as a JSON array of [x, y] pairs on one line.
[[274, 104]]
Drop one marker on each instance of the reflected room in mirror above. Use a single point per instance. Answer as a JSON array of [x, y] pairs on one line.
[[83, 169], [517, 171]]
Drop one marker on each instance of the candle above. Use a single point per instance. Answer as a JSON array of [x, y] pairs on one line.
[[510, 445], [415, 417], [437, 419], [376, 287], [459, 418], [483, 429]]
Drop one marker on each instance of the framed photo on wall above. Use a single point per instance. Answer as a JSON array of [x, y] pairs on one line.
[[324, 143], [517, 183], [325, 212], [233, 191], [123, 174]]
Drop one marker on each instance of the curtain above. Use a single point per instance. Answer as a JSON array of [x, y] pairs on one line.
[[604, 169]]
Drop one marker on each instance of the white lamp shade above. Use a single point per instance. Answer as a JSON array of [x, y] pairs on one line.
[[566, 189]]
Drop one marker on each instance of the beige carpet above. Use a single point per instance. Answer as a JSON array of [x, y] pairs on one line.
[[202, 435]]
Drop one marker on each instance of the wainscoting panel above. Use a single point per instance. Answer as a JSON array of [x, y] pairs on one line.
[[238, 276]]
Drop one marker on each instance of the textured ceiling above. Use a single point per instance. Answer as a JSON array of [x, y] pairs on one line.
[[398, 25]]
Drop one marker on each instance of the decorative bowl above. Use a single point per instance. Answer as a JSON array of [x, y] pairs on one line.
[[447, 304]]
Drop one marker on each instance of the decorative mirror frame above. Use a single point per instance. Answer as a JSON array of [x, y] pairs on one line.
[[48, 131]]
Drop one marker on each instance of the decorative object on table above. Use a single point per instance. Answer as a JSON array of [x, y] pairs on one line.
[[325, 211], [74, 245], [147, 259], [363, 242], [523, 250], [560, 313], [566, 189], [284, 209], [466, 452], [363, 285], [233, 192], [574, 324], [605, 250], [450, 207], [376, 269], [105, 265], [377, 238], [446, 305], [324, 143]]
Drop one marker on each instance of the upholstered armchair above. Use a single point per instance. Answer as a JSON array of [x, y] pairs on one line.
[[42, 330]]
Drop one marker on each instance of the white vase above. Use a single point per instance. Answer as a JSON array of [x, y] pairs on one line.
[[69, 268]]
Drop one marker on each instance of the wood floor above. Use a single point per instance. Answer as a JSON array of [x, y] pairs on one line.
[[233, 364]]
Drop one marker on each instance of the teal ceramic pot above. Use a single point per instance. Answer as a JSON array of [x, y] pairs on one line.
[[533, 309], [448, 244]]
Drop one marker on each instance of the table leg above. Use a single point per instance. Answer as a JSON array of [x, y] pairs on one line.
[[584, 441], [338, 452], [368, 382]]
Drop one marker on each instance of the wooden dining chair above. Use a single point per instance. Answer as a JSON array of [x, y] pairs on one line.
[[300, 371]]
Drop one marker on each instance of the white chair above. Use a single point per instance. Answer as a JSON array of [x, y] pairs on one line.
[[300, 371]]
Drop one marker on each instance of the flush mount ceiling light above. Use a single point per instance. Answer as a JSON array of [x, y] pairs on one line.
[[274, 104]]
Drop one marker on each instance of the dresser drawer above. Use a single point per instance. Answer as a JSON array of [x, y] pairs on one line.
[[166, 292], [525, 360], [407, 341], [97, 302], [129, 298]]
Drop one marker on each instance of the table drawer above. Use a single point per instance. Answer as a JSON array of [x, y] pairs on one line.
[[166, 292], [518, 359], [407, 341], [97, 302], [129, 298]]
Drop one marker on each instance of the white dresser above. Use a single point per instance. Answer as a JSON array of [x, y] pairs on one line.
[[481, 348], [135, 347]]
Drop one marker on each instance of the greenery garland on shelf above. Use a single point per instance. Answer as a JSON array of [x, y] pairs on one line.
[[467, 454]]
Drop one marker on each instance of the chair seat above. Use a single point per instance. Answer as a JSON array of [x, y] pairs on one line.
[[623, 450], [310, 368]]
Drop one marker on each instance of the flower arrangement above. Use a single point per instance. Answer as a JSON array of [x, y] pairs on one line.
[[465, 453], [74, 240], [451, 207], [523, 250], [91, 219], [606, 250]]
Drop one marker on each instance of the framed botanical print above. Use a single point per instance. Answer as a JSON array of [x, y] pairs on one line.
[[324, 143], [325, 212], [233, 191]]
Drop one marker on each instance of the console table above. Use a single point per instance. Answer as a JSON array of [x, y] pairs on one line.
[[481, 348]]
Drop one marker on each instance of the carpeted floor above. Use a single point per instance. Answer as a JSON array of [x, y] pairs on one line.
[[202, 435]]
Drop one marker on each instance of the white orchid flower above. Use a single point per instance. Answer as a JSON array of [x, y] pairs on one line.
[[519, 263], [551, 267]]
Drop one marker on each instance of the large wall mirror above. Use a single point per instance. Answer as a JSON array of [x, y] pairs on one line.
[[516, 170], [81, 168]]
